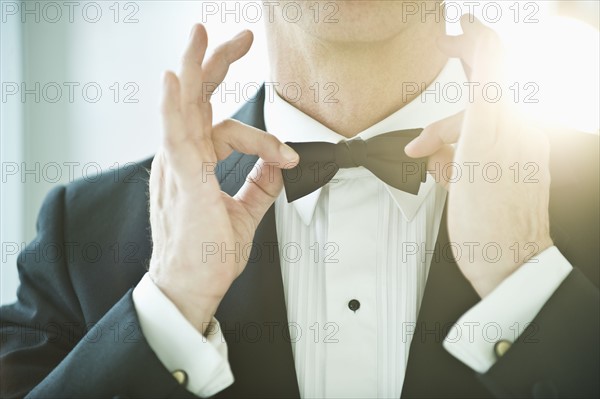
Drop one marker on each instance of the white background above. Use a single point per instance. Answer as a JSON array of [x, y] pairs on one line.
[[105, 132]]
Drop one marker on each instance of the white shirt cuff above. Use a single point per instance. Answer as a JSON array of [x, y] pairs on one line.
[[507, 310], [178, 345]]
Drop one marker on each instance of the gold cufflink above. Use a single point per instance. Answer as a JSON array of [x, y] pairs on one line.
[[501, 347], [180, 376]]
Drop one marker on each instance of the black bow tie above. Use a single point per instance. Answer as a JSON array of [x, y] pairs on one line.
[[383, 155]]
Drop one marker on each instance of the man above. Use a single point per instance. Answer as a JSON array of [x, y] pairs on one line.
[[386, 302]]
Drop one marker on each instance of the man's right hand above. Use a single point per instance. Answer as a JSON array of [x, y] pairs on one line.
[[188, 211]]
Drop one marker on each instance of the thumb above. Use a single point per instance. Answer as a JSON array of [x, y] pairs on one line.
[[262, 186], [440, 166]]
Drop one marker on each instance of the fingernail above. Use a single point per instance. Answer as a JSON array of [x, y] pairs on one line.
[[287, 152]]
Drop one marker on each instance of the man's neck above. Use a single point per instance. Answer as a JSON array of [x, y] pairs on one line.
[[349, 87]]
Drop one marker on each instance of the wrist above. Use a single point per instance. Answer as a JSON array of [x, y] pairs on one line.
[[197, 307], [487, 274]]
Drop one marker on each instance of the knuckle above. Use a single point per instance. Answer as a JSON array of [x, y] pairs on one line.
[[271, 140], [226, 124]]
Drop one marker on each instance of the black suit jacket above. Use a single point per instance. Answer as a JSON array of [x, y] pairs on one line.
[[74, 331]]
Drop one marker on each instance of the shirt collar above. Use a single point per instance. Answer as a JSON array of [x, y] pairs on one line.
[[439, 100]]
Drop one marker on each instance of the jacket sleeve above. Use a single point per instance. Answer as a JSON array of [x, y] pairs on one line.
[[48, 349], [558, 354]]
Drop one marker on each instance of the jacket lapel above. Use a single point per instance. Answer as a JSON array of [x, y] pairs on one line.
[[431, 370], [253, 314]]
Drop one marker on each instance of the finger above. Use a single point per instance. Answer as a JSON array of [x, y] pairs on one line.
[[458, 47], [482, 116], [174, 132], [437, 165], [435, 136], [183, 156], [262, 186], [464, 46], [171, 110], [231, 135], [191, 68], [216, 67], [471, 26]]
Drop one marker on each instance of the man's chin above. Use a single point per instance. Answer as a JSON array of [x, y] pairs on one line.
[[351, 34], [352, 21]]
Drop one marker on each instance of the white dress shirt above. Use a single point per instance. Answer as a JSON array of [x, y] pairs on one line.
[[356, 239]]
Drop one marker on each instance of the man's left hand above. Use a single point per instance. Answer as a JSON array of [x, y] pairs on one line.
[[499, 192]]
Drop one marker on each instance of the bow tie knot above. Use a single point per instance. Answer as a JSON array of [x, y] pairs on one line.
[[351, 153], [383, 155]]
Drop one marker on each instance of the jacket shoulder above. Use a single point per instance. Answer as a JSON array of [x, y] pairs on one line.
[[107, 231]]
